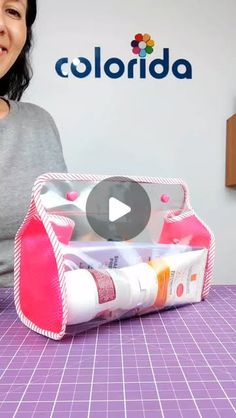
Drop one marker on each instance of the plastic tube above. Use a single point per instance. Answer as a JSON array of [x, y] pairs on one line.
[[102, 255], [180, 278], [90, 292]]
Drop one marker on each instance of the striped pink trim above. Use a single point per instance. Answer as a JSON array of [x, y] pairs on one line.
[[210, 262], [37, 209]]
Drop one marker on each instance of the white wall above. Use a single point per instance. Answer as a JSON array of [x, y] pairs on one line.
[[168, 127]]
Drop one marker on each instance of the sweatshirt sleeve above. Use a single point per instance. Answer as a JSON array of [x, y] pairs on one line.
[[58, 162]]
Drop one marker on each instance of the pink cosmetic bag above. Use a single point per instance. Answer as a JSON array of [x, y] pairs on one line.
[[58, 291]]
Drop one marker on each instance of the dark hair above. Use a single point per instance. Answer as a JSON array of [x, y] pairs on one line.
[[18, 77]]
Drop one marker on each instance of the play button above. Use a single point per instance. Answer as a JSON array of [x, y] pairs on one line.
[[118, 209]]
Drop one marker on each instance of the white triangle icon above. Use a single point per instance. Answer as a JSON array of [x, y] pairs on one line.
[[117, 209]]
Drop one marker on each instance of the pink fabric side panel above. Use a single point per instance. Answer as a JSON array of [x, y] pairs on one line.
[[63, 232], [40, 295], [188, 231]]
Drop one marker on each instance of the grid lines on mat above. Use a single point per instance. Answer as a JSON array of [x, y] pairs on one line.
[[178, 363]]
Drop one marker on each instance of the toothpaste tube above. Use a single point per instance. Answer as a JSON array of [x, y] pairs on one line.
[[99, 255], [167, 281]]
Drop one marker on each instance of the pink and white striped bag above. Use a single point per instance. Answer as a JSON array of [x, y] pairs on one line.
[[55, 296]]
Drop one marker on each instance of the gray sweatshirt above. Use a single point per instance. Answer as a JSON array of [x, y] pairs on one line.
[[29, 146]]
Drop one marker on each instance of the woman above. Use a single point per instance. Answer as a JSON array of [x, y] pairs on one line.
[[29, 140]]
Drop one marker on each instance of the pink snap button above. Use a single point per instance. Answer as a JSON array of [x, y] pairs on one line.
[[72, 196], [165, 198]]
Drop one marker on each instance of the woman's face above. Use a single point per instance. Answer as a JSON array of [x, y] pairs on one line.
[[13, 32]]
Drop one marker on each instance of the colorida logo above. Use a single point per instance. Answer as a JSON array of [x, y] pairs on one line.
[[143, 46]]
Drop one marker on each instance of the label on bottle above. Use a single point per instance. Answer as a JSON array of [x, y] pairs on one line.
[[105, 286]]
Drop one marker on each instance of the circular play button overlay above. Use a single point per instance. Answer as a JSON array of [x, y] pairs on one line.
[[118, 209]]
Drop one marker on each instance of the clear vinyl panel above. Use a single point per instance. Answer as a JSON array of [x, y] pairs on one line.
[[113, 272], [55, 200]]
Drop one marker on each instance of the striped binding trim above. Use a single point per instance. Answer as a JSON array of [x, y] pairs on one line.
[[36, 208], [210, 262]]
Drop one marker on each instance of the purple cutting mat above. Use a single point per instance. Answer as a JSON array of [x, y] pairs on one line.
[[176, 364]]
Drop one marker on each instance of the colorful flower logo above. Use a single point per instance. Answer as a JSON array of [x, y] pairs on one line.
[[142, 45]]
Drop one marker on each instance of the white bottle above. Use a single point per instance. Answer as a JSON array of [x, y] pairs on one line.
[[90, 292]]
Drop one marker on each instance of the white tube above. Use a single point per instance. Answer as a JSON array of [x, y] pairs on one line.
[[180, 278], [90, 292], [102, 255], [187, 277]]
